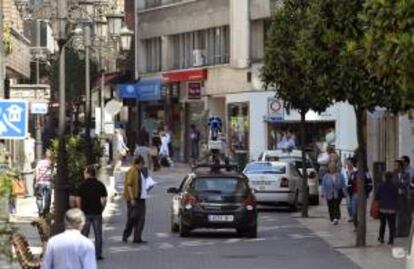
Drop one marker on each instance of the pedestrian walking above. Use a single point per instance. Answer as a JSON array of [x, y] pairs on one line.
[[92, 198], [195, 142], [43, 181], [70, 249], [143, 151], [143, 136], [168, 134], [402, 180], [349, 174], [353, 191], [387, 197], [135, 195], [155, 150], [120, 149], [333, 190]]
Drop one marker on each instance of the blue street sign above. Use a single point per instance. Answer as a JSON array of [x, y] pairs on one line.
[[14, 117]]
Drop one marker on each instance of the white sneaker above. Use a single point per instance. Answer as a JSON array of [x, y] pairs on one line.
[[335, 222]]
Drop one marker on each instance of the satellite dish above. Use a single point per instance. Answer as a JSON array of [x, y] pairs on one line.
[[113, 107]]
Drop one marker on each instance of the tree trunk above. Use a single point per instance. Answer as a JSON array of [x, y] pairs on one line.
[[362, 169], [305, 198]]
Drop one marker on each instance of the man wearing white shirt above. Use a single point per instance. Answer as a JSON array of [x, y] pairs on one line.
[[70, 249]]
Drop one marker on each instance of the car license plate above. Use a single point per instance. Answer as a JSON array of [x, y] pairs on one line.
[[220, 218], [262, 183]]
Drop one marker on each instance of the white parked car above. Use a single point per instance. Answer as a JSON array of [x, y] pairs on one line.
[[295, 157], [275, 183]]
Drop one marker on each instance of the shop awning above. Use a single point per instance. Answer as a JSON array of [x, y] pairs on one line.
[[108, 77], [185, 75], [145, 90]]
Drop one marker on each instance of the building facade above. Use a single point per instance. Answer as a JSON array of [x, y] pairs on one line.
[[207, 55]]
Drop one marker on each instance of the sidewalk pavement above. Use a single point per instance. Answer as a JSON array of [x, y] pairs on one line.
[[27, 210], [342, 238]]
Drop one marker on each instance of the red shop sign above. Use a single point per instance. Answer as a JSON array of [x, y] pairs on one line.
[[185, 75], [194, 91]]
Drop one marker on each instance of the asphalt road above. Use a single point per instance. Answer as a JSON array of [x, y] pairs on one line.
[[282, 242]]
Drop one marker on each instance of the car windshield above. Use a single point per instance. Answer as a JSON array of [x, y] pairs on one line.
[[265, 168], [219, 185], [289, 159]]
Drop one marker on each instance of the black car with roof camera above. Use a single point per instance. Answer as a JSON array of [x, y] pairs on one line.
[[216, 197]]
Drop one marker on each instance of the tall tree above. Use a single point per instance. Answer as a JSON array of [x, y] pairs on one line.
[[389, 43], [286, 70], [337, 31]]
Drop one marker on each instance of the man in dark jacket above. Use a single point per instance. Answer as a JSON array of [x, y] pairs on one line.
[[92, 199], [402, 180], [387, 197]]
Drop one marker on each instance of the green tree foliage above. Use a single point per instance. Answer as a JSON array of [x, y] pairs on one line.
[[336, 31], [288, 70], [76, 157], [74, 73], [6, 228], [7, 39], [389, 43]]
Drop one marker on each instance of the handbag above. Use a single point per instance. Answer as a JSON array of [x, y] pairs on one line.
[[19, 188], [374, 210]]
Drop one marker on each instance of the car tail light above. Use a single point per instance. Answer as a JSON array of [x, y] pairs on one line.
[[312, 174], [189, 201], [250, 202], [284, 182]]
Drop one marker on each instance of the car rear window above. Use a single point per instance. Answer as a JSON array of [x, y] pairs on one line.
[[288, 159], [265, 168], [219, 185]]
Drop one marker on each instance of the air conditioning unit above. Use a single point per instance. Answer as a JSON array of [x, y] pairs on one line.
[[198, 57]]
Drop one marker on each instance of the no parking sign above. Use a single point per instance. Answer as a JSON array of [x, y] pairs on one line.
[[275, 109]]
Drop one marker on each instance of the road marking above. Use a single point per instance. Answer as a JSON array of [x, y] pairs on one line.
[[163, 235], [191, 244], [232, 241], [301, 236], [165, 246]]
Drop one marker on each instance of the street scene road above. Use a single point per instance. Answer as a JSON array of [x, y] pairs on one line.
[[282, 241]]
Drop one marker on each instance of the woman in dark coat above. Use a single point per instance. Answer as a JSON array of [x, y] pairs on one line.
[[387, 197]]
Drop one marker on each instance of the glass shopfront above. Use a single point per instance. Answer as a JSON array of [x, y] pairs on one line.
[[238, 127]]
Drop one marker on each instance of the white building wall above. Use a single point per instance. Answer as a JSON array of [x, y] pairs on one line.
[[406, 137], [240, 31]]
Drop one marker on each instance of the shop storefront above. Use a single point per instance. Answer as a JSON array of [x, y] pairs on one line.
[[246, 128], [185, 106], [145, 103]]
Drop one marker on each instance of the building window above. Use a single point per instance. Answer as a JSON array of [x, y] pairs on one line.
[[153, 54], [201, 48]]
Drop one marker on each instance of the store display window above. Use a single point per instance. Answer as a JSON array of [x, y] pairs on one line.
[[238, 124]]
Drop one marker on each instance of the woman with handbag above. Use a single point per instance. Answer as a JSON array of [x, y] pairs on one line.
[[387, 197], [333, 189]]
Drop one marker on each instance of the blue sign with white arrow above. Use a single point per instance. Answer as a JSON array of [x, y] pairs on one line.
[[14, 117]]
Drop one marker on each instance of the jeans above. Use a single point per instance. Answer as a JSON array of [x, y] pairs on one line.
[[384, 218], [194, 150], [96, 222], [136, 220], [349, 206], [334, 209], [12, 205], [354, 206], [43, 196]]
